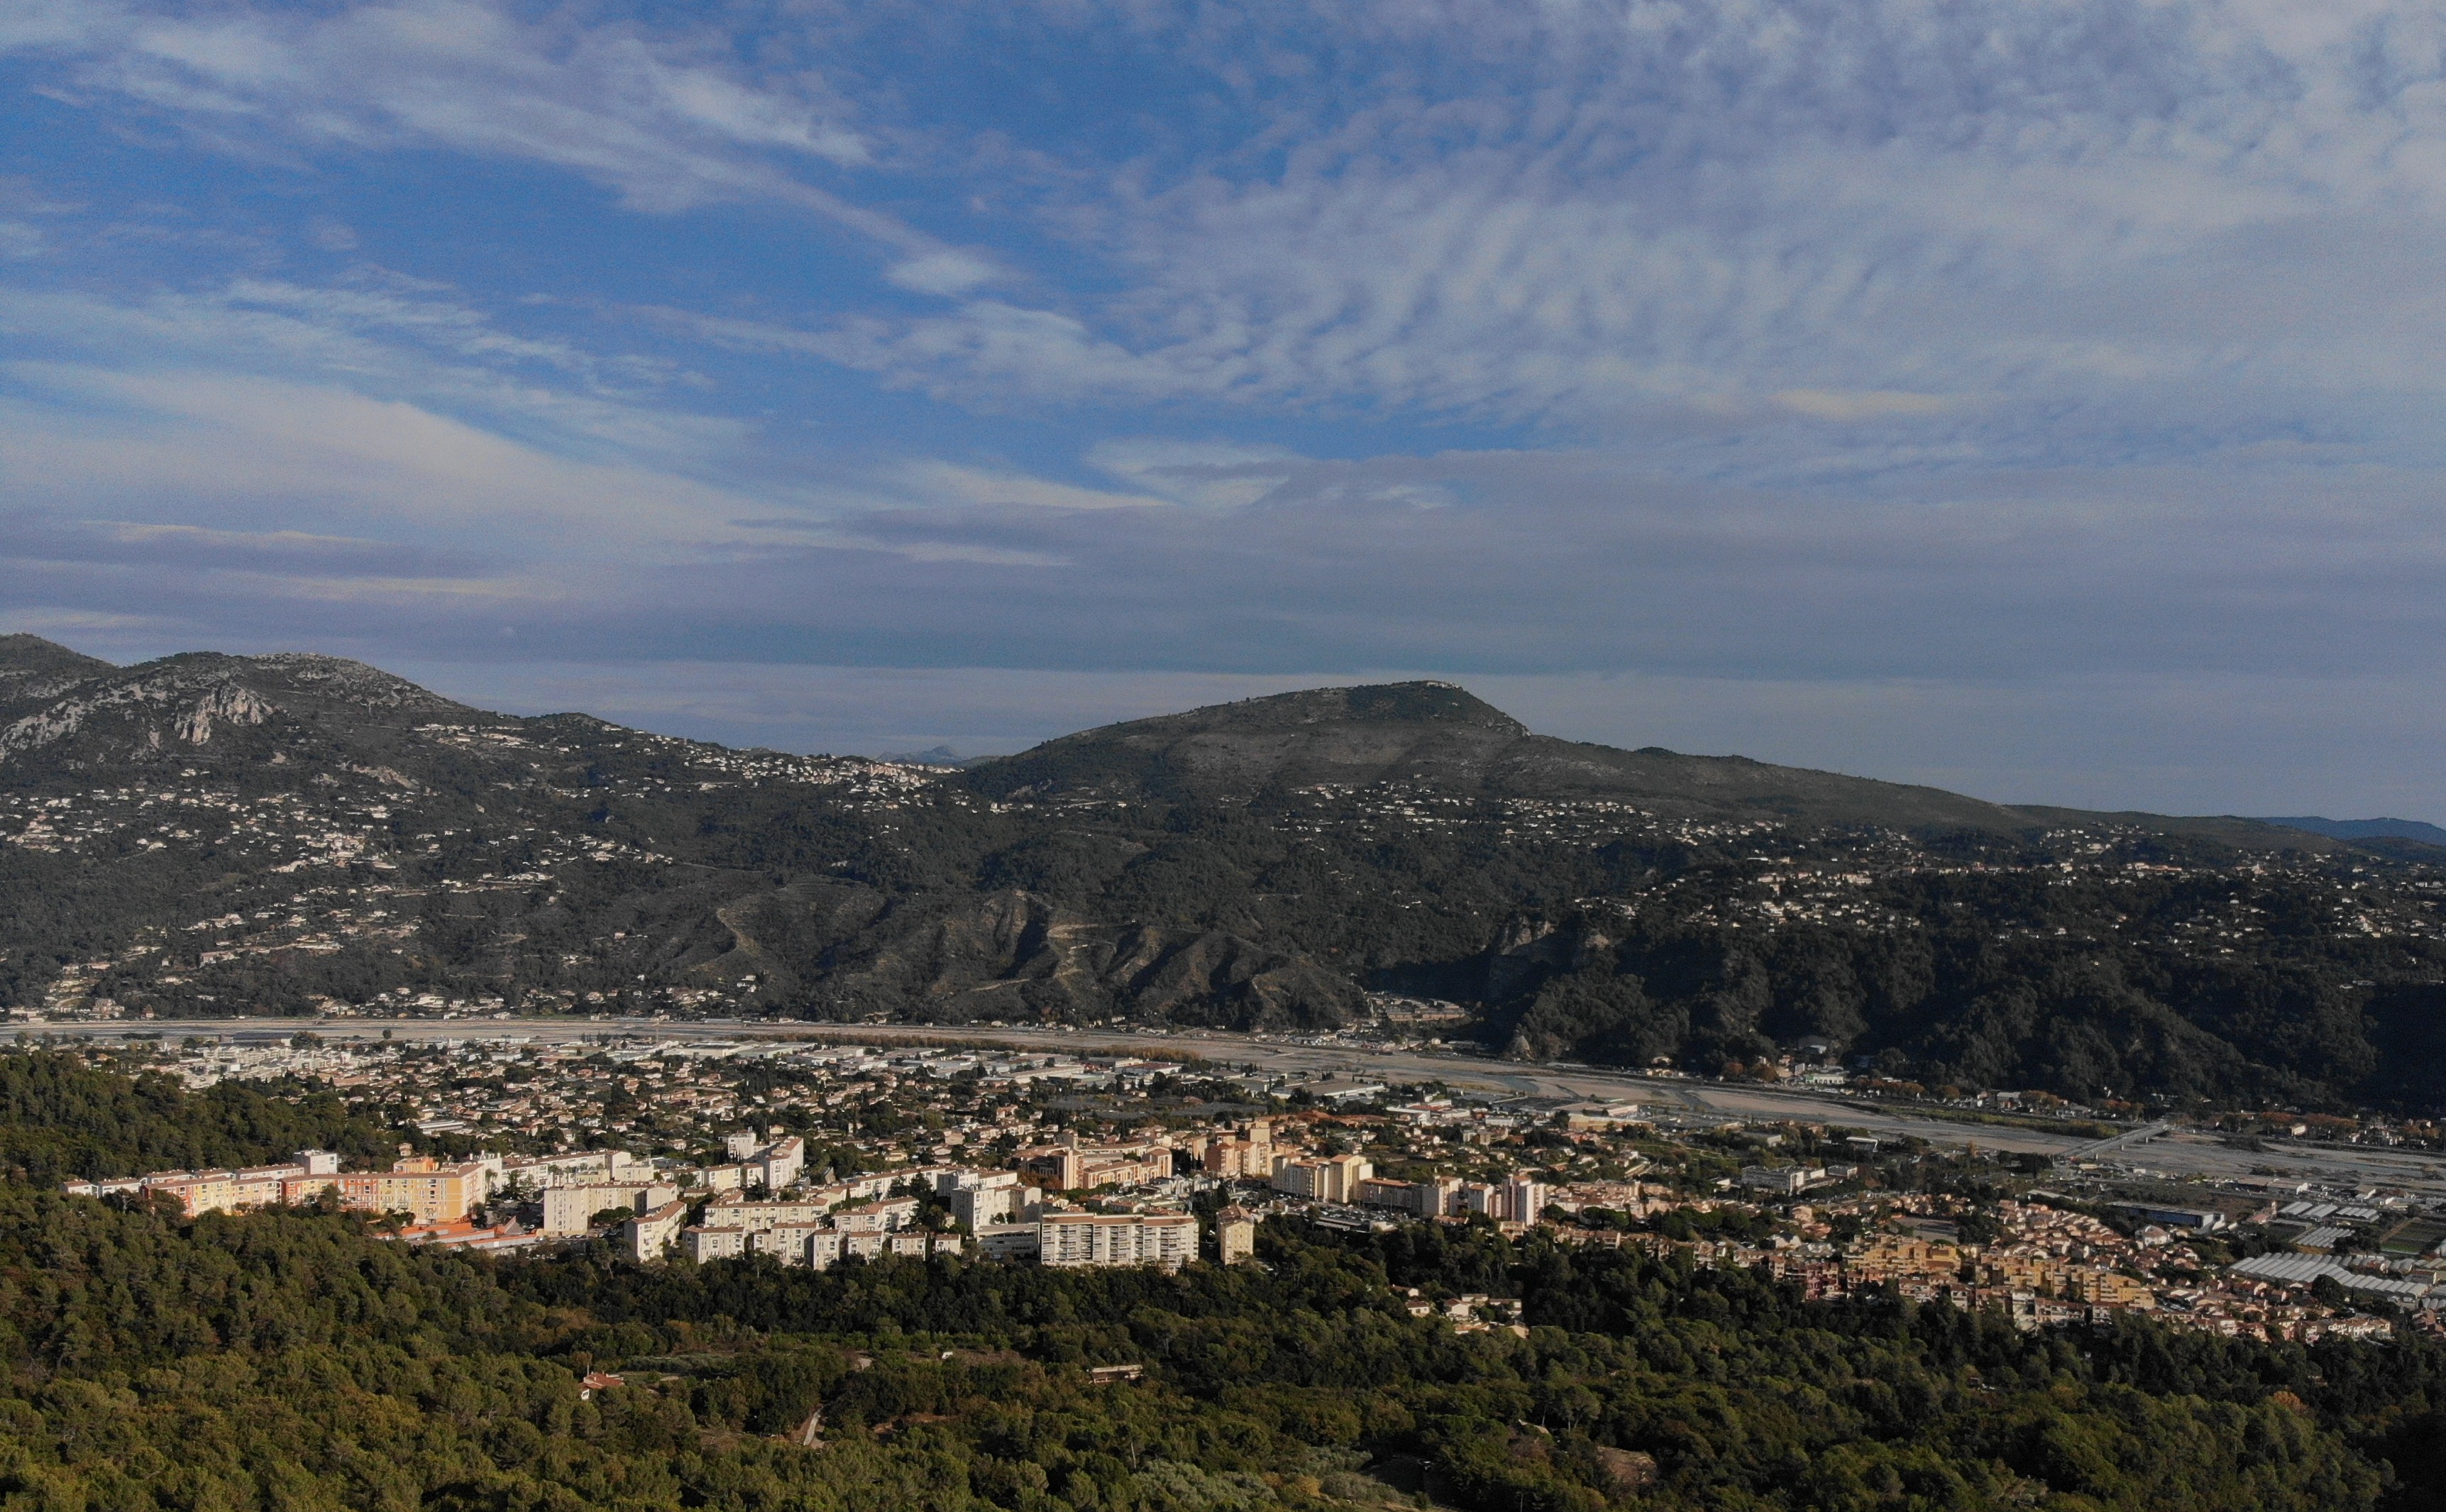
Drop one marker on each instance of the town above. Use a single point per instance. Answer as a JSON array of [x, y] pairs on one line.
[[816, 1155]]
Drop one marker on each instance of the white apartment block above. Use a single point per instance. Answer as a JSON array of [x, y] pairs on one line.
[[566, 1209], [585, 1168], [1169, 1240], [700, 1244], [778, 1164], [1009, 1241], [649, 1236], [736, 1210], [891, 1214], [981, 1207]]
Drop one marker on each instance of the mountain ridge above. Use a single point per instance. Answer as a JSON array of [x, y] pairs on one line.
[[2415, 830], [208, 834]]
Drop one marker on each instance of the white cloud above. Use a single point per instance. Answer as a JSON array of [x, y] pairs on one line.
[[2084, 340], [944, 272], [1604, 215], [950, 483], [2085, 215], [1213, 474], [212, 448], [662, 118]]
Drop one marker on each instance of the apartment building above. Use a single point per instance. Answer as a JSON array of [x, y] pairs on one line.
[[1437, 1197], [701, 1244], [814, 1245], [1326, 1179], [585, 1168], [772, 1160], [649, 1235], [432, 1192], [197, 1191], [981, 1208], [566, 1209], [1235, 1236], [1251, 1155], [1169, 1240], [1073, 1167], [1009, 1241], [737, 1211], [1519, 1199], [777, 1166], [891, 1214]]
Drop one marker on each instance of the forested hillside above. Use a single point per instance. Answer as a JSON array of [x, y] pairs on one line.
[[210, 835], [292, 1360], [295, 1359], [60, 1119]]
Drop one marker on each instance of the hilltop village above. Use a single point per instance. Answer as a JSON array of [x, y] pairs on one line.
[[684, 1154]]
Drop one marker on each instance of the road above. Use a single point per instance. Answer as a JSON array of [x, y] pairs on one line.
[[2177, 1154]]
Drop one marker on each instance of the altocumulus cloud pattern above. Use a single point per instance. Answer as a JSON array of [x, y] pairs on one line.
[[2036, 399]]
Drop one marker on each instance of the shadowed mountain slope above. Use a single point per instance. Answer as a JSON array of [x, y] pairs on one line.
[[210, 835]]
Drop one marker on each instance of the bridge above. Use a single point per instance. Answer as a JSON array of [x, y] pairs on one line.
[[2113, 1142]]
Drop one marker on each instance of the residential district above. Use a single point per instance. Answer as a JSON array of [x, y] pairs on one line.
[[817, 1155]]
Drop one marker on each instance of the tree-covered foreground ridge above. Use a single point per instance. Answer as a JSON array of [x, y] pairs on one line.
[[300, 1360]]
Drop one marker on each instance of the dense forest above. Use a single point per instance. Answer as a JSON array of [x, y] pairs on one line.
[[296, 1360], [61, 1120]]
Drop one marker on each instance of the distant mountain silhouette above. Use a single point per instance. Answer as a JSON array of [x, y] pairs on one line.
[[933, 755], [1435, 736], [2366, 828]]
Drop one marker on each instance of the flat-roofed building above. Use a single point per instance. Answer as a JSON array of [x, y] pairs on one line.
[[441, 1195], [777, 1164], [1008, 1241], [701, 1244], [197, 1191], [1327, 1178], [1235, 1236], [1437, 1197], [888, 1215], [568, 1209], [814, 1245], [736, 1209], [649, 1235], [982, 1207], [1169, 1240], [260, 1186]]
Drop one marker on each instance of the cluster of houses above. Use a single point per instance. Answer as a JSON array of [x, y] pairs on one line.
[[762, 1201]]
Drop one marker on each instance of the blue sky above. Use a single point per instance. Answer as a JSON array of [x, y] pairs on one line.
[[2036, 399]]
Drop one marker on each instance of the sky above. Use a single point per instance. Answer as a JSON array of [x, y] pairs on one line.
[[2037, 397]]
